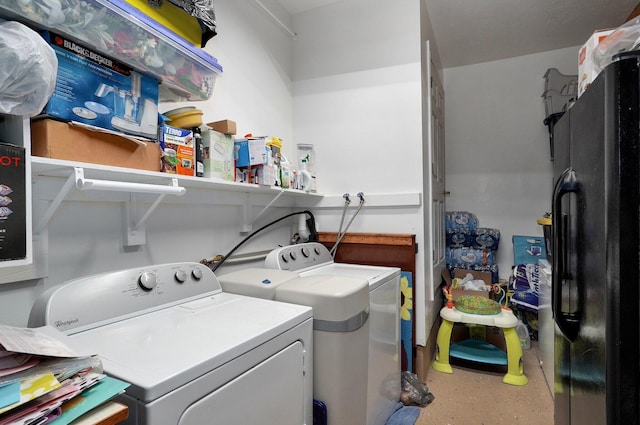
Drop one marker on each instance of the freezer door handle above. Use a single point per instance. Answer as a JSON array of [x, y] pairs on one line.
[[568, 321]]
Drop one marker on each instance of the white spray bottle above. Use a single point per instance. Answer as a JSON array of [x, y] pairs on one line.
[[305, 176]]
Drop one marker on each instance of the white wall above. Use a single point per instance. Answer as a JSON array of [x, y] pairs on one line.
[[357, 94], [497, 148], [357, 99], [254, 89]]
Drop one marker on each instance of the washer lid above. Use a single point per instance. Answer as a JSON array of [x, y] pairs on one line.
[[165, 349], [333, 298], [255, 282]]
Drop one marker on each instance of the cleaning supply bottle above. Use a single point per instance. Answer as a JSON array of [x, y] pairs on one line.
[[285, 173], [306, 181], [523, 335], [307, 152], [198, 151]]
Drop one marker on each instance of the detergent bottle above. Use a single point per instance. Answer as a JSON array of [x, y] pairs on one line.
[[307, 152]]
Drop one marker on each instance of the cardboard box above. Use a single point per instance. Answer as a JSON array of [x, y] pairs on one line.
[[217, 155], [587, 69], [266, 175], [461, 273], [13, 204], [178, 152], [54, 139], [251, 151], [528, 249], [224, 126], [97, 90]]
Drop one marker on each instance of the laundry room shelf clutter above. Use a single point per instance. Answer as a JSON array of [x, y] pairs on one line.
[[115, 28]]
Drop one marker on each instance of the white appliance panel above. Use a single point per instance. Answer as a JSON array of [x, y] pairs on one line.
[[168, 409], [384, 388], [374, 274], [165, 349], [243, 400]]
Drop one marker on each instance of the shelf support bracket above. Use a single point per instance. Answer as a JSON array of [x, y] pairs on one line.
[[247, 221], [53, 207], [268, 205], [135, 228], [246, 215], [136, 231]]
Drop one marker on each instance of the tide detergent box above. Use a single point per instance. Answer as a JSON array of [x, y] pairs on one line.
[[97, 90], [178, 152]]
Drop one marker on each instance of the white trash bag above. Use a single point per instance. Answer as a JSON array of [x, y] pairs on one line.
[[28, 70]]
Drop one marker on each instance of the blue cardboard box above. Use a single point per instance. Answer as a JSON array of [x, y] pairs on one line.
[[528, 249], [251, 151], [97, 90]]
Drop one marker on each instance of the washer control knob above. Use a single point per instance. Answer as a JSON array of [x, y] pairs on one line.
[[197, 274], [305, 252], [148, 281], [284, 258], [316, 250], [292, 255], [181, 276]]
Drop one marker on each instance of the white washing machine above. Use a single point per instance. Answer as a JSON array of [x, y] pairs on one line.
[[192, 353], [384, 381]]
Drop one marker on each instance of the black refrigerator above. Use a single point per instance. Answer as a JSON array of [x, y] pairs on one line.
[[596, 251]]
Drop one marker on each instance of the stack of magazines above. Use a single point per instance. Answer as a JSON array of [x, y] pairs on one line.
[[42, 380]]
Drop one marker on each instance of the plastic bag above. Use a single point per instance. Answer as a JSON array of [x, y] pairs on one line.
[[204, 11], [414, 391], [625, 38], [28, 70]]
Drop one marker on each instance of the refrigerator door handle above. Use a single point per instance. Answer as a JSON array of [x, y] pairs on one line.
[[568, 322]]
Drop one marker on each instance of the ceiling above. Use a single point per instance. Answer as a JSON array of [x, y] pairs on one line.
[[474, 31]]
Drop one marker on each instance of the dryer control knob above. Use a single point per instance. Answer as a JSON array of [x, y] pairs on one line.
[[181, 276], [305, 252], [197, 274], [147, 281]]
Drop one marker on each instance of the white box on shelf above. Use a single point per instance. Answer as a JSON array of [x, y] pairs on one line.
[[218, 155]]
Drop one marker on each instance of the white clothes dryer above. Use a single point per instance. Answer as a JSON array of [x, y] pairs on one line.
[[384, 379], [192, 353]]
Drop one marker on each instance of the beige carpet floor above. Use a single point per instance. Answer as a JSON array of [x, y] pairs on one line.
[[475, 395]]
